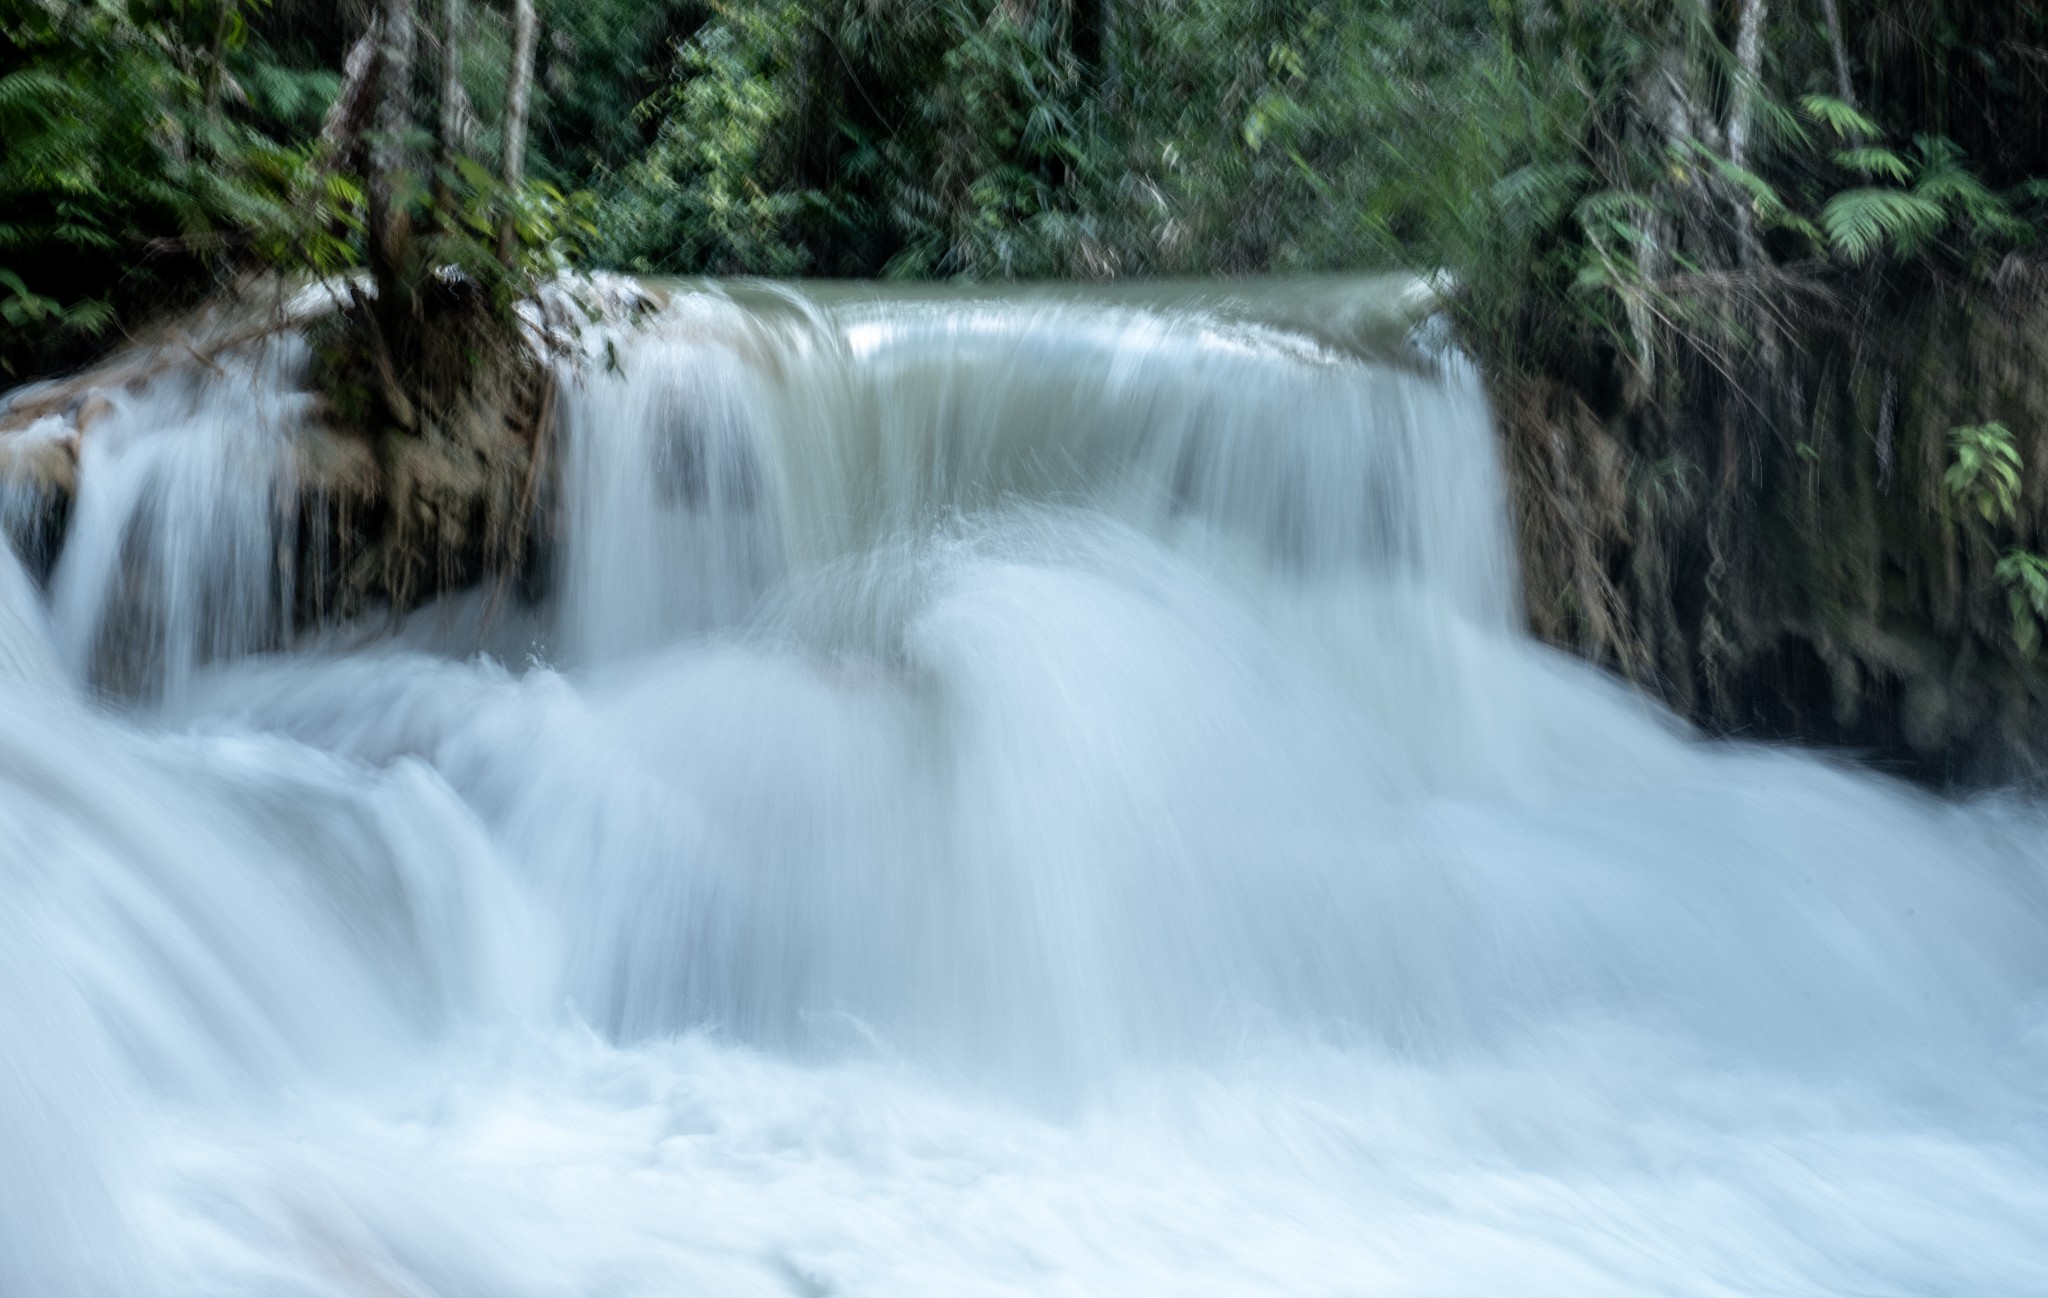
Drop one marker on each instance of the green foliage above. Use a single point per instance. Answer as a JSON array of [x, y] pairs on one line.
[[140, 151], [550, 230], [1861, 221], [697, 198], [795, 136], [990, 138], [155, 148], [1985, 474], [599, 60], [2025, 578], [1875, 162], [320, 229], [1845, 120], [1565, 162], [1945, 196]]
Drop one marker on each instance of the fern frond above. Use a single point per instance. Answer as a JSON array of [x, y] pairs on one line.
[[1841, 118], [1876, 162], [1860, 221]]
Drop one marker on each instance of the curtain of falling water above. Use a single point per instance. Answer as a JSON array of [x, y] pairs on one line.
[[1014, 794]]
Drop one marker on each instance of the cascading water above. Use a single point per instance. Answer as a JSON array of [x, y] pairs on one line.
[[1010, 795], [180, 548]]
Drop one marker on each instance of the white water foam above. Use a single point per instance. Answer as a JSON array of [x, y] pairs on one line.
[[1038, 796]]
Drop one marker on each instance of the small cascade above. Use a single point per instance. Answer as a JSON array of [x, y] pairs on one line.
[[26, 654], [727, 442], [181, 544], [670, 526], [31, 512]]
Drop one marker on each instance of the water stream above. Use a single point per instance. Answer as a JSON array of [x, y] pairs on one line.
[[1009, 795]]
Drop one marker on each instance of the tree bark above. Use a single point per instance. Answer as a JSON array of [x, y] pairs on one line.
[[392, 319], [390, 241], [1845, 86], [1749, 57], [454, 108], [518, 93]]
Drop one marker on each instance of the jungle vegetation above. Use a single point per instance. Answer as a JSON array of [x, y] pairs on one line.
[[1758, 284]]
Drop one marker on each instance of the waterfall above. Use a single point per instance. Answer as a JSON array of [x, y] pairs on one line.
[[26, 653], [1007, 792], [180, 548]]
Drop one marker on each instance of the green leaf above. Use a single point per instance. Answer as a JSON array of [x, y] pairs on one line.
[[2025, 578], [1876, 162], [1860, 221], [1839, 117], [1769, 207], [1985, 474]]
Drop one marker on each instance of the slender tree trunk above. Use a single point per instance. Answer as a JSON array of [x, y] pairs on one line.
[[518, 92], [1669, 123], [390, 241], [454, 108], [393, 317], [1845, 87], [1749, 58]]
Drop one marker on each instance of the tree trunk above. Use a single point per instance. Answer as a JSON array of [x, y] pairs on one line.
[[454, 109], [391, 319], [1845, 87], [1749, 57], [390, 241], [518, 91]]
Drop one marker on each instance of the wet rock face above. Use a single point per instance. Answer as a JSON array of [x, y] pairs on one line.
[[1785, 561]]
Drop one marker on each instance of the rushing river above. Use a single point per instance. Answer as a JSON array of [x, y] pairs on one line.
[[1029, 795]]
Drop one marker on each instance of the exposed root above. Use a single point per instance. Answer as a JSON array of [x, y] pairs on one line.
[[455, 425]]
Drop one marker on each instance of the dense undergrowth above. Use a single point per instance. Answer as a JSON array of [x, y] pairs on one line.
[[1758, 283]]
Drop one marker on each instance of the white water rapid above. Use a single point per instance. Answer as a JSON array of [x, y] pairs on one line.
[[1010, 795]]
